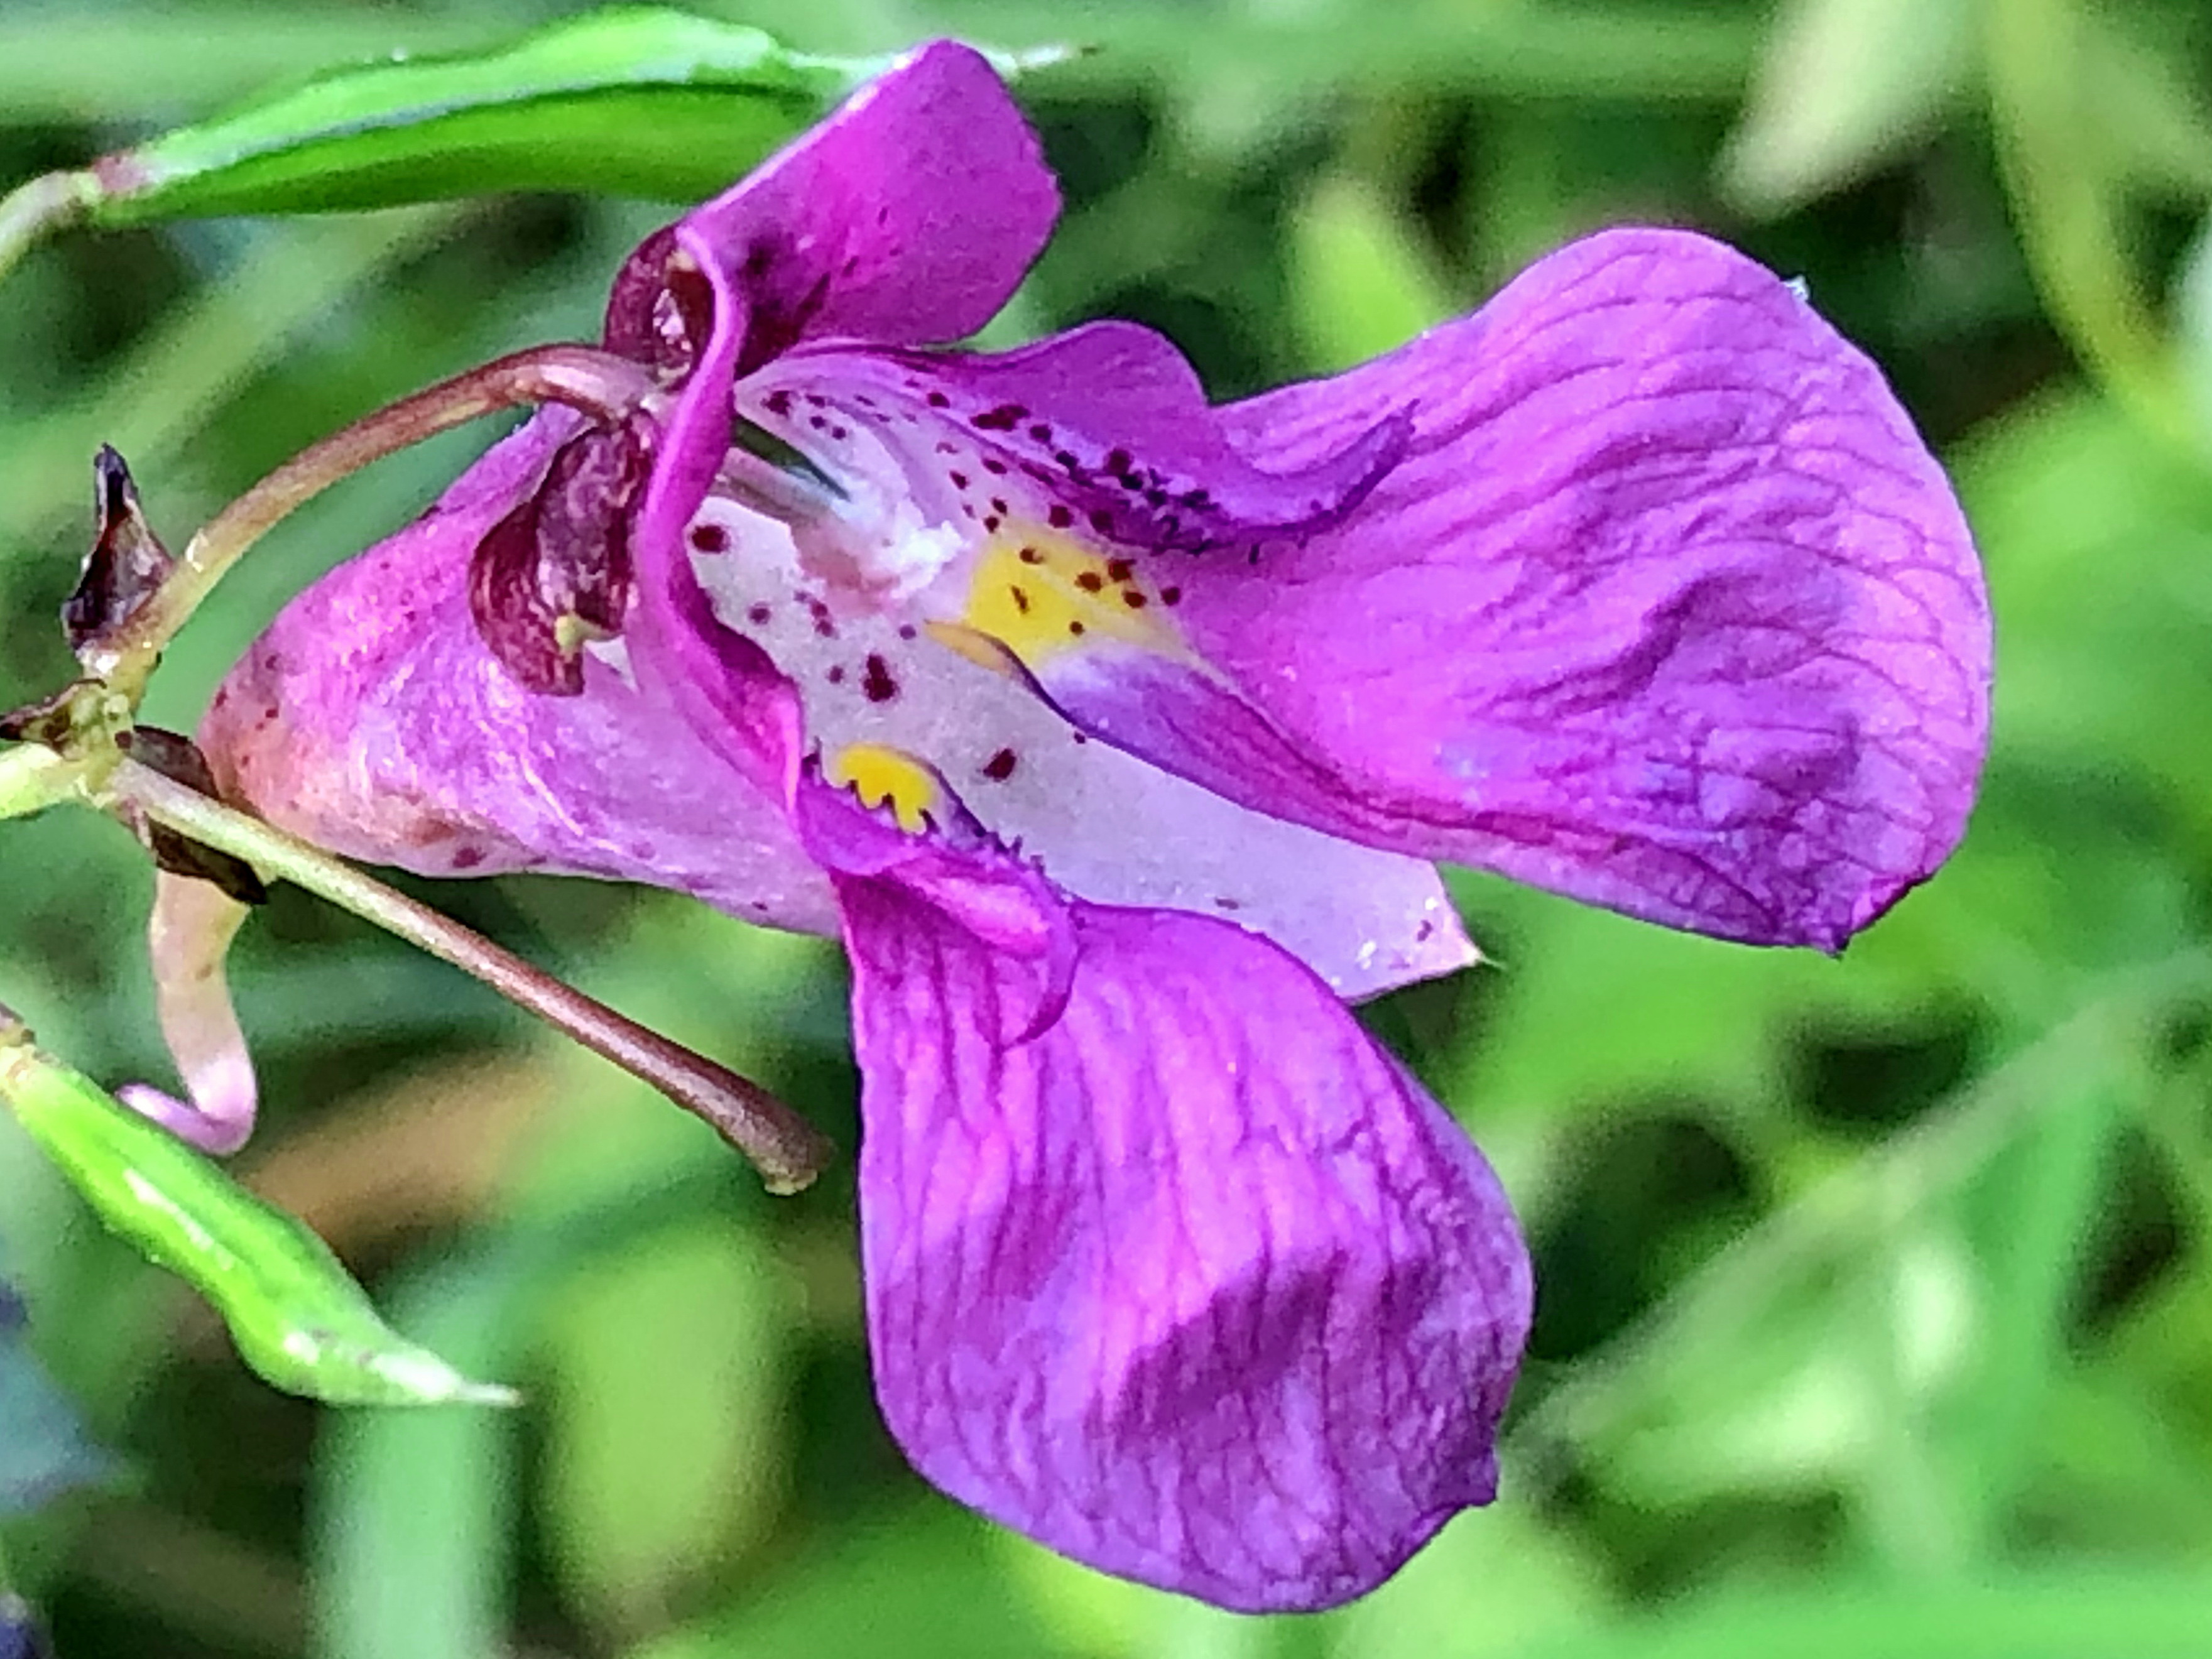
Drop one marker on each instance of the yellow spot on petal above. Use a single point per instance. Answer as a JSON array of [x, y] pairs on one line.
[[882, 777], [1040, 594], [979, 648]]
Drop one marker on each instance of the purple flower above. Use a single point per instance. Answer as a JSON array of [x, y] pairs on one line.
[[1117, 735]]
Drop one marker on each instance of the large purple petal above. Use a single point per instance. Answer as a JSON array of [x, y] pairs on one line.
[[371, 719], [1637, 585], [1196, 1286], [1669, 606]]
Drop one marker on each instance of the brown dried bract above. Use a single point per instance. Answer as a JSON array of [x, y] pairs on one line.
[[127, 564]]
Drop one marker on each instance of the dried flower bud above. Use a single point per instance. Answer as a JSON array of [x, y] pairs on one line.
[[127, 563]]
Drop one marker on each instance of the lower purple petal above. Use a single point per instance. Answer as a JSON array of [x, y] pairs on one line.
[[1196, 1286]]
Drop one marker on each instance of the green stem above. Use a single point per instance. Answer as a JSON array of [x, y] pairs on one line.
[[788, 1152], [582, 377], [32, 779], [31, 211]]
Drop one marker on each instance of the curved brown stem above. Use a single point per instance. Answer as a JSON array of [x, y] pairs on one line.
[[582, 377]]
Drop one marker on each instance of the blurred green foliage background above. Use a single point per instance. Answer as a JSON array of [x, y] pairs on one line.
[[1876, 1295]]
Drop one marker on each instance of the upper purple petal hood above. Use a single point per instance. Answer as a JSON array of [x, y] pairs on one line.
[[908, 217]]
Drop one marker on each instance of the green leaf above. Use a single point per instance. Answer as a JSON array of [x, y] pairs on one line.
[[45, 1451], [1361, 281], [298, 1319], [1844, 86], [411, 1542], [923, 1583], [666, 1449], [2065, 170], [2054, 1615], [638, 102]]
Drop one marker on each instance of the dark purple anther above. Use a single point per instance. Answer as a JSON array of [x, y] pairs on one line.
[[555, 572]]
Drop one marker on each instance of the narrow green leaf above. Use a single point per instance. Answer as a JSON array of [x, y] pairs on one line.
[[638, 101], [631, 100], [2061, 171], [1843, 88], [2056, 1615], [412, 1515], [1362, 284], [666, 1453], [298, 1319]]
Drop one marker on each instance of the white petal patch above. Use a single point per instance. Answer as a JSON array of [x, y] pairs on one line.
[[615, 653], [1105, 825]]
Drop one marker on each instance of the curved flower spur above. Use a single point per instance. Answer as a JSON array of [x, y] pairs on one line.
[[1115, 734]]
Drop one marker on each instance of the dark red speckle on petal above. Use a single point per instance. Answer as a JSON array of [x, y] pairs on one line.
[[1090, 582], [758, 616], [938, 400], [877, 682], [1170, 596], [1001, 766], [1103, 522], [1005, 418], [710, 538], [1061, 517], [1118, 570]]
